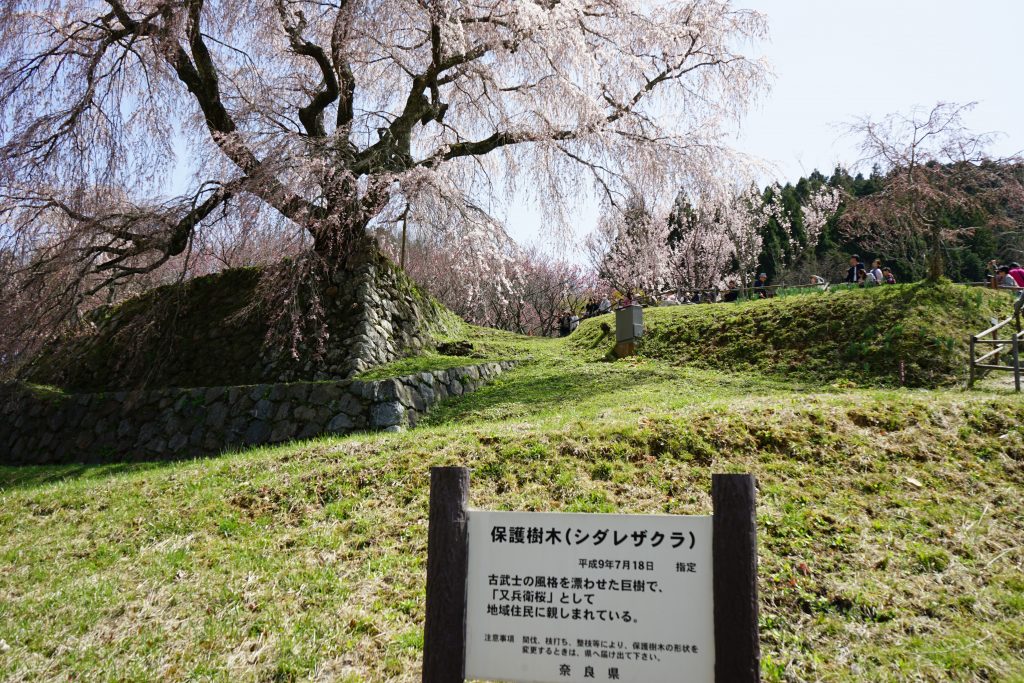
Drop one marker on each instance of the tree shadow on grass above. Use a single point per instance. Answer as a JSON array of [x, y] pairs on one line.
[[33, 476], [21, 477], [14, 477]]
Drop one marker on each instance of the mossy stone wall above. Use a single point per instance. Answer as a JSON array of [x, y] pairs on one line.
[[49, 427], [220, 330]]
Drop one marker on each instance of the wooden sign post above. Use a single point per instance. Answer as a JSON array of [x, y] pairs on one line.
[[444, 635], [621, 597], [734, 553]]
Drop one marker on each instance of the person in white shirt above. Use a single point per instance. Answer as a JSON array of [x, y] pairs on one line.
[[1004, 279], [876, 272]]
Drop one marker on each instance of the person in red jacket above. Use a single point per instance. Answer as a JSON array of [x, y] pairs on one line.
[[1004, 280], [1017, 273]]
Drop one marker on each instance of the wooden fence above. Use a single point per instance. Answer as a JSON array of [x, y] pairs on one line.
[[981, 364]]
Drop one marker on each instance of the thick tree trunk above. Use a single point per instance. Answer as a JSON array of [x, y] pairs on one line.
[[342, 231], [342, 235]]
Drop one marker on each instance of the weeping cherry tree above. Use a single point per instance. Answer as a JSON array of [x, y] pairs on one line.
[[131, 129]]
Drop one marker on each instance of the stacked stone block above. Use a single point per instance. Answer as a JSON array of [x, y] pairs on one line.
[[42, 427]]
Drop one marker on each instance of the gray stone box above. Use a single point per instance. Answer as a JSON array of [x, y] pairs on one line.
[[629, 323]]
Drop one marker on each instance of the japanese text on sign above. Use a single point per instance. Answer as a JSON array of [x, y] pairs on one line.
[[582, 597]]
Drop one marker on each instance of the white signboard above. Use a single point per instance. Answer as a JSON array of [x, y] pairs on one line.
[[583, 597]]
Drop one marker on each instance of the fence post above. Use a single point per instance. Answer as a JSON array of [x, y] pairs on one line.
[[444, 631], [1016, 310], [1016, 362], [970, 379], [734, 582]]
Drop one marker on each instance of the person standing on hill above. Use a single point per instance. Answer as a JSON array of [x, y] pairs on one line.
[[856, 268], [991, 272], [1017, 273], [761, 286], [565, 324], [876, 272]]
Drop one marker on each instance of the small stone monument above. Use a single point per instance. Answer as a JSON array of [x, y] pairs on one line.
[[629, 326]]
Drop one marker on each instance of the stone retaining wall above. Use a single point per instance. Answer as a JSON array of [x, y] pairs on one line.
[[40, 427], [229, 329]]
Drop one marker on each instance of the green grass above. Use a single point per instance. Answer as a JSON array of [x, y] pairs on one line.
[[426, 362], [487, 345], [891, 525], [910, 334]]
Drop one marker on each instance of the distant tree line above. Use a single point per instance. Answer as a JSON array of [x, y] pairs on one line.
[[935, 204], [992, 231]]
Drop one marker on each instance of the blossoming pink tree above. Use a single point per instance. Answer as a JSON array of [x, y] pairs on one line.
[[702, 249], [315, 116], [820, 208], [629, 249], [726, 236], [704, 239], [472, 267], [551, 286], [489, 280]]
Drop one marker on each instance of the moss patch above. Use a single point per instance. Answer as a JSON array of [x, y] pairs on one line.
[[226, 329]]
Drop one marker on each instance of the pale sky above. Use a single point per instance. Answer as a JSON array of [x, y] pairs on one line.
[[836, 59]]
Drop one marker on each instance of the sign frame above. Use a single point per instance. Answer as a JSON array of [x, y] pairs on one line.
[[734, 578]]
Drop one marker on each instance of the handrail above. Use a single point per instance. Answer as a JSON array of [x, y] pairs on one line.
[[993, 367], [994, 352], [1011, 345], [1019, 335], [699, 290], [989, 285], [995, 327], [822, 286]]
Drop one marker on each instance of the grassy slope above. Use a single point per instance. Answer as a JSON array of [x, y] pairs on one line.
[[891, 526], [863, 334]]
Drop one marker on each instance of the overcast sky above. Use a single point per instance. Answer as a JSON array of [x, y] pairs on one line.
[[837, 59]]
